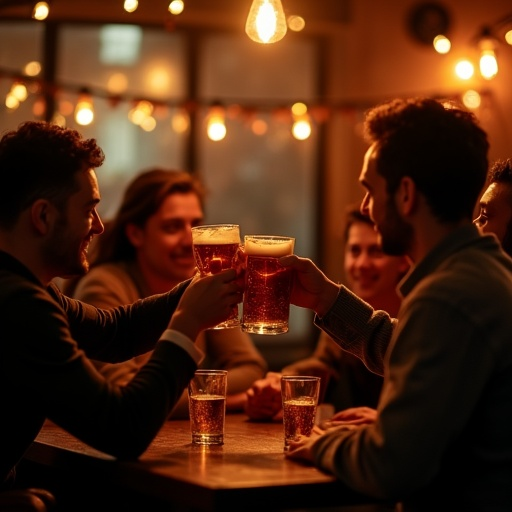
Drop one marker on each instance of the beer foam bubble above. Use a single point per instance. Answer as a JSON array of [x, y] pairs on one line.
[[273, 247], [216, 234]]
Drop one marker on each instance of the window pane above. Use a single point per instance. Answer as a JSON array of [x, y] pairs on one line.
[[234, 67], [267, 183], [26, 38], [134, 64]]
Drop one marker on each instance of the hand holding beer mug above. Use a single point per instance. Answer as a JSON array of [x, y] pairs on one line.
[[207, 406], [266, 304], [300, 400], [215, 249]]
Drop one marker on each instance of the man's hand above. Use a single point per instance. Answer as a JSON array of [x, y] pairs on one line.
[[301, 448], [311, 288], [351, 416], [207, 301], [264, 401]]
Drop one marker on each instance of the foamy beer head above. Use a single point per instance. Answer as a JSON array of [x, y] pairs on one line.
[[216, 234], [266, 305], [215, 247], [273, 246]]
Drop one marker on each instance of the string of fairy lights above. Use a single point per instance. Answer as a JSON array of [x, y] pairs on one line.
[[147, 112], [266, 23]]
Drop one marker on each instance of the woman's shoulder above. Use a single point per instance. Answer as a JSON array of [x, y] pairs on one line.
[[108, 284], [117, 269]]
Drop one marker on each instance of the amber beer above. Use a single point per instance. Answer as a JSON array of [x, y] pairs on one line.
[[211, 258], [298, 418], [215, 247], [300, 399], [266, 304], [207, 413], [207, 406]]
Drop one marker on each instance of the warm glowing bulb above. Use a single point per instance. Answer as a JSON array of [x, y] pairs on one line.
[[84, 111], [299, 109], [11, 102], [176, 7], [130, 5], [464, 69], [32, 68], [148, 124], [301, 129], [471, 99], [216, 130], [266, 22], [140, 112], [508, 37], [41, 11], [488, 64], [19, 91], [215, 125], [442, 44], [84, 116], [296, 23]]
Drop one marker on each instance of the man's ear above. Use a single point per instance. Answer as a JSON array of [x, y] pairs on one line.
[[406, 196], [42, 214]]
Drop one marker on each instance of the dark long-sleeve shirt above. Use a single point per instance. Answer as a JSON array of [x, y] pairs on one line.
[[46, 340]]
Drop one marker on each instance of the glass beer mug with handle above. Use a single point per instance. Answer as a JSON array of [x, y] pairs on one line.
[[266, 304]]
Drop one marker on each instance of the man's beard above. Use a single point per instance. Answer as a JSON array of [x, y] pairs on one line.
[[64, 255], [395, 233]]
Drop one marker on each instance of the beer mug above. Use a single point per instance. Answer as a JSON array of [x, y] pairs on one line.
[[266, 303], [215, 248]]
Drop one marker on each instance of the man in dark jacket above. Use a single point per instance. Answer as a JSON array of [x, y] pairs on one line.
[[48, 218]]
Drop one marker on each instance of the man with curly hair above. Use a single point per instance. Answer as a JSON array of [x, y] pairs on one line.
[[440, 439]]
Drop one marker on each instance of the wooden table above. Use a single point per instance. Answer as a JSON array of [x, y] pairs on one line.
[[249, 472]]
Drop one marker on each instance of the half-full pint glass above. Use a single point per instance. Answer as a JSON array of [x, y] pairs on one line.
[[207, 406], [266, 304], [215, 248], [300, 400]]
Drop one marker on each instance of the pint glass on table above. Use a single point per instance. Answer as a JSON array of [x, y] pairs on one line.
[[207, 406], [215, 248], [266, 304], [300, 400]]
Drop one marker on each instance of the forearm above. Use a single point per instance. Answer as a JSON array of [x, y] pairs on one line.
[[359, 329]]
